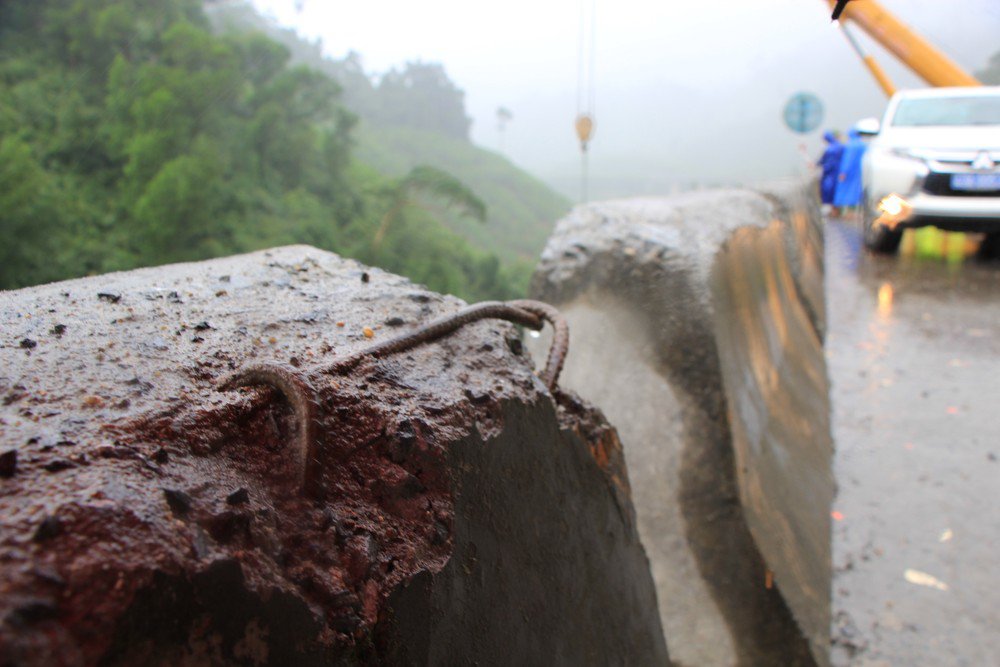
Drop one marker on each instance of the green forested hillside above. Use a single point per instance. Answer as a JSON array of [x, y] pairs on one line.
[[521, 209], [131, 134], [413, 116]]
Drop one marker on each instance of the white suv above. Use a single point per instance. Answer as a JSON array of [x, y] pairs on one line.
[[935, 161]]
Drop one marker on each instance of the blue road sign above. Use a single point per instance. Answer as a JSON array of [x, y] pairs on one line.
[[803, 113]]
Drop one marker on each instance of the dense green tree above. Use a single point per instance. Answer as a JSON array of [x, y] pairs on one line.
[[521, 208], [423, 97], [427, 182], [990, 75], [132, 135], [26, 214]]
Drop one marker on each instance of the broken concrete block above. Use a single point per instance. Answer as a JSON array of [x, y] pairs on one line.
[[438, 504]]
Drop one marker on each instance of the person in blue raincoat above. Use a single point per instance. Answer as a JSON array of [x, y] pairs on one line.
[[848, 192], [830, 164]]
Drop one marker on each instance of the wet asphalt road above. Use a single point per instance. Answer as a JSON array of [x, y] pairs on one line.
[[913, 349]]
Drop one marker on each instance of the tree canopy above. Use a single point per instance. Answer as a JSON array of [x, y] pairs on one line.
[[990, 75], [423, 97], [132, 135]]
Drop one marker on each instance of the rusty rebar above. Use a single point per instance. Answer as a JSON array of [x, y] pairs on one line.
[[560, 338], [439, 328], [301, 395]]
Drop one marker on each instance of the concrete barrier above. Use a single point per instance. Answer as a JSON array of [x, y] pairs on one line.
[[768, 292], [435, 506], [655, 291]]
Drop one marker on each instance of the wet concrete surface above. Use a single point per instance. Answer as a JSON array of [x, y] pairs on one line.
[[777, 395], [914, 361], [633, 277], [638, 398]]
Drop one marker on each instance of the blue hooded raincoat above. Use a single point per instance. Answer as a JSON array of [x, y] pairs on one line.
[[848, 191], [830, 163]]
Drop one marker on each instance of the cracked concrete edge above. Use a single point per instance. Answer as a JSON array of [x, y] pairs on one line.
[[522, 551]]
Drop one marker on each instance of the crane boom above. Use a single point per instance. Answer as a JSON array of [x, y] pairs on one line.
[[884, 82], [914, 51]]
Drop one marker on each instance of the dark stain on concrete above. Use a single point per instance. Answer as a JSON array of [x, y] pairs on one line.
[[518, 547]]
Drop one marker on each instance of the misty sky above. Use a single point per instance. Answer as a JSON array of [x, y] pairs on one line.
[[684, 91]]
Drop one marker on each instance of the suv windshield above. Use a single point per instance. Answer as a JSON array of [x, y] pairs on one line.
[[953, 111]]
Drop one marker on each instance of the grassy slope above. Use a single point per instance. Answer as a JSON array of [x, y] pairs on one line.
[[521, 209]]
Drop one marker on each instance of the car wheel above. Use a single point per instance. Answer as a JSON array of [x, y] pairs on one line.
[[990, 247], [878, 238]]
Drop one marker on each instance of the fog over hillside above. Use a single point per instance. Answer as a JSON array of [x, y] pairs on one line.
[[685, 93]]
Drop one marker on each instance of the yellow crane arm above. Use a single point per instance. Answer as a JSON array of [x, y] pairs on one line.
[[914, 51], [876, 70]]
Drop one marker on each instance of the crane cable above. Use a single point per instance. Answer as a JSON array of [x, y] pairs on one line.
[[585, 89]]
